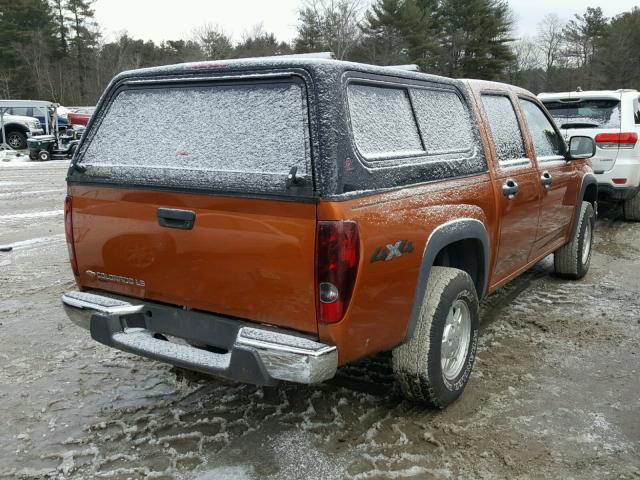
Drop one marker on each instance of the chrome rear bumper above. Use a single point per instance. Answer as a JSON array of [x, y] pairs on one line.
[[243, 351]]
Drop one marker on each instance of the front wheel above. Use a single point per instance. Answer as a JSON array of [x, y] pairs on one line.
[[433, 367], [573, 259], [17, 140], [44, 156]]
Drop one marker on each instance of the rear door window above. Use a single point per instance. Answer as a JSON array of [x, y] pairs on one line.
[[444, 121], [546, 141], [585, 113], [235, 137], [382, 122], [636, 110], [505, 130]]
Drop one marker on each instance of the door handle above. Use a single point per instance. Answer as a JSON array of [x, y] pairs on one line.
[[172, 218], [546, 179], [510, 188]]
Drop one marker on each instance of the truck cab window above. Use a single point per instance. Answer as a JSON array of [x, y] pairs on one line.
[[546, 140]]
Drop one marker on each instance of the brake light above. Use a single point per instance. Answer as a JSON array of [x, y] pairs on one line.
[[68, 231], [337, 257], [619, 181], [617, 140]]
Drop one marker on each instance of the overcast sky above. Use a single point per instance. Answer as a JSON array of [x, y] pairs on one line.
[[160, 20]]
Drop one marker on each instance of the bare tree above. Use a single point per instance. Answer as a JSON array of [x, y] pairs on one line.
[[526, 68], [330, 24], [551, 42], [36, 57], [213, 40], [5, 91]]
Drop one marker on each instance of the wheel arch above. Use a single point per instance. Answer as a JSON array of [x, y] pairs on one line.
[[15, 127], [462, 244], [588, 193]]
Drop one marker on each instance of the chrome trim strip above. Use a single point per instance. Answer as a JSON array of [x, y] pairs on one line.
[[250, 342], [123, 309]]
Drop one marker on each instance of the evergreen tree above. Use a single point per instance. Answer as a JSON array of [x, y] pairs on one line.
[[84, 39], [584, 35], [61, 30], [22, 22], [407, 26], [619, 61], [19, 20], [475, 38]]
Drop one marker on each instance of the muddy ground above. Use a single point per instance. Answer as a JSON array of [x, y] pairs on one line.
[[555, 391]]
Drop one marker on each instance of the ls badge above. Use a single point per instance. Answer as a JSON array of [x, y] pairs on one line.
[[391, 251]]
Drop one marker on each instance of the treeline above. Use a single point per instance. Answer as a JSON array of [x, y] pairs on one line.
[[53, 49]]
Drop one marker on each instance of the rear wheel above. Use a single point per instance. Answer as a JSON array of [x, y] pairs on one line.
[[631, 208], [573, 259], [17, 140], [433, 367]]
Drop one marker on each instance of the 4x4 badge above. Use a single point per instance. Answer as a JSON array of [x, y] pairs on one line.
[[391, 251]]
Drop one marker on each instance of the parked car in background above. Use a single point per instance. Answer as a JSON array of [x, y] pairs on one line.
[[80, 115], [18, 129], [311, 212], [42, 110], [612, 119]]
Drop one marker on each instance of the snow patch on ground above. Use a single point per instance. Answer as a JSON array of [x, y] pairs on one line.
[[22, 216]]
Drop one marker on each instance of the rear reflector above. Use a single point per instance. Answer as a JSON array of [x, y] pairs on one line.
[[619, 181], [337, 257], [617, 140], [68, 231]]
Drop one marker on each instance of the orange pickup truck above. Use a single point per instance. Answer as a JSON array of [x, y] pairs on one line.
[[272, 219]]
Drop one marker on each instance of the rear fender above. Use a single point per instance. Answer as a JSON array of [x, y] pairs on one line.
[[446, 234]]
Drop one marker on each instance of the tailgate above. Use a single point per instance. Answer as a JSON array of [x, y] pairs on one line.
[[200, 194], [247, 258]]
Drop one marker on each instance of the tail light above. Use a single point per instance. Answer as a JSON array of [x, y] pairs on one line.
[[68, 231], [337, 256], [617, 140]]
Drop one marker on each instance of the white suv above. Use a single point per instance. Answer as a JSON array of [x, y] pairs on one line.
[[612, 119]]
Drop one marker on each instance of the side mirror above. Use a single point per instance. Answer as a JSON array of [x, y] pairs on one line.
[[581, 148]]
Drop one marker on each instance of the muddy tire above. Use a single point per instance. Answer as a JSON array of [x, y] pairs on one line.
[[631, 208], [573, 259], [433, 367]]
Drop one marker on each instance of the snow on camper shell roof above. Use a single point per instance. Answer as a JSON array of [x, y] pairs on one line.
[[311, 63], [497, 86]]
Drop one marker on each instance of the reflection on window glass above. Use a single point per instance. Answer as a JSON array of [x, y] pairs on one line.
[[636, 110], [593, 113], [444, 121], [382, 122], [505, 129], [546, 140]]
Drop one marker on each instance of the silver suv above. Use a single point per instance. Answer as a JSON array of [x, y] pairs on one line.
[[18, 129], [612, 119]]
